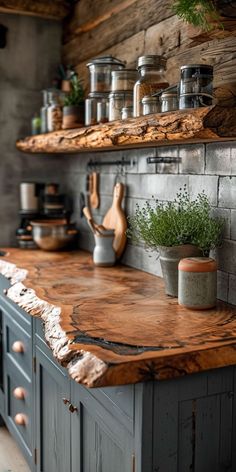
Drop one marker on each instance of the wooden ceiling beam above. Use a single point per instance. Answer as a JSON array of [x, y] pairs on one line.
[[54, 9]]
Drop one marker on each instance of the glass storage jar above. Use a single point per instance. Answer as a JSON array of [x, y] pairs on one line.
[[44, 112], [123, 79], [169, 101], [196, 86], [117, 101], [100, 70], [150, 105], [102, 111], [151, 79], [91, 104], [54, 114], [126, 112]]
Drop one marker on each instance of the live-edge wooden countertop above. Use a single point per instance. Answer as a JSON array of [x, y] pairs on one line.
[[113, 326]]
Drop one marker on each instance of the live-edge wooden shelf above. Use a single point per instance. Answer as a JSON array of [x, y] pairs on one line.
[[215, 123]]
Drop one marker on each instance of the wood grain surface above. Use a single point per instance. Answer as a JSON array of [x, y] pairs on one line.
[[116, 326], [55, 10], [192, 125]]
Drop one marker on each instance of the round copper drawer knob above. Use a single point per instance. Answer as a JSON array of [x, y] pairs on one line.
[[18, 347], [19, 393], [20, 419]]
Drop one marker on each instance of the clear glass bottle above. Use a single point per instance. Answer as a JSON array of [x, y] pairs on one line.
[[150, 105], [100, 70], [44, 112], [117, 101], [54, 114], [123, 79], [91, 107], [151, 79]]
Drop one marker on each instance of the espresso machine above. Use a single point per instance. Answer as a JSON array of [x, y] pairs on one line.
[[39, 201]]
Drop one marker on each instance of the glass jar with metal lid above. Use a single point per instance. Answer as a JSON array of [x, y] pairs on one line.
[[151, 79], [54, 111], [169, 101], [117, 101], [150, 105], [127, 112], [196, 85], [91, 105], [100, 70], [123, 79]]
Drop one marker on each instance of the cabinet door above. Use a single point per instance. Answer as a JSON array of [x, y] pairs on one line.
[[52, 416], [99, 442]]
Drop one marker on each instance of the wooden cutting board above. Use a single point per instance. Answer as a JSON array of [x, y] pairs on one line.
[[115, 219]]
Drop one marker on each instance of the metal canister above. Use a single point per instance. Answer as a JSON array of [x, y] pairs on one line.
[[196, 86], [197, 286], [150, 105], [169, 101]]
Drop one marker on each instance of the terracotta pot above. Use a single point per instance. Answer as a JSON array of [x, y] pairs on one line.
[[169, 258], [73, 116]]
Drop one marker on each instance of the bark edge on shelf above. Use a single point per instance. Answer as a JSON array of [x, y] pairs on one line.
[[215, 123]]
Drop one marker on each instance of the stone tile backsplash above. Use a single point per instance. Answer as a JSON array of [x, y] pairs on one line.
[[210, 167]]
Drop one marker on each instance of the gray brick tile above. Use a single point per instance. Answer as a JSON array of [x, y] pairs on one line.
[[167, 168], [232, 289], [139, 156], [227, 192], [218, 159], [192, 159], [222, 285], [206, 183], [226, 256], [233, 225], [138, 257], [225, 215]]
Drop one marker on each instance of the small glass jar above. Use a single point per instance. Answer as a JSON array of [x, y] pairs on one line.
[[169, 101], [151, 79], [123, 79], [102, 111], [91, 104], [100, 70], [126, 112], [54, 114], [44, 112], [150, 105], [117, 101]]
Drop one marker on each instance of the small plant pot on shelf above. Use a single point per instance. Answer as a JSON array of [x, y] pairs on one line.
[[73, 116], [169, 259]]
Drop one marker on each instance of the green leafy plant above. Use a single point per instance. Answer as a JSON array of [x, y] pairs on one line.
[[76, 95], [182, 221], [202, 13]]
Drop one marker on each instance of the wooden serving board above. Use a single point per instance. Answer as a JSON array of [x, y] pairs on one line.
[[115, 219]]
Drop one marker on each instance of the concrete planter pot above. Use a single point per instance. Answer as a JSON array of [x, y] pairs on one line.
[[169, 258], [73, 116]]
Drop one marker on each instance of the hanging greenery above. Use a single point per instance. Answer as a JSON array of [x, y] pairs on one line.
[[201, 13]]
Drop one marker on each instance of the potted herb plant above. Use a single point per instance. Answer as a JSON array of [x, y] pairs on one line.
[[73, 109], [178, 229]]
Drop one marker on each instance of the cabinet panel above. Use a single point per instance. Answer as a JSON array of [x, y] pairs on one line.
[[101, 440], [18, 345], [52, 416], [2, 395]]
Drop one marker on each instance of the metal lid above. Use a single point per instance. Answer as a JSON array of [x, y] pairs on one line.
[[149, 99], [169, 94], [129, 72], [202, 66], [151, 61], [106, 60], [98, 95], [121, 94]]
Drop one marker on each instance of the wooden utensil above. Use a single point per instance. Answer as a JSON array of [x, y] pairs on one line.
[[115, 219], [94, 190]]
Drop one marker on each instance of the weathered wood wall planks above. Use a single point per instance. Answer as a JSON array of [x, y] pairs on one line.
[[129, 28], [56, 9]]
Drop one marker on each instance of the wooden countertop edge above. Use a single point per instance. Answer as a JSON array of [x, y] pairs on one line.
[[91, 371]]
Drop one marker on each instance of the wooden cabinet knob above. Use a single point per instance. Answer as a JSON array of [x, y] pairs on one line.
[[71, 407], [18, 346], [19, 393], [20, 419]]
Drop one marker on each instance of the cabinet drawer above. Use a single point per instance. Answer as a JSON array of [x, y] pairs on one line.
[[19, 406], [18, 346]]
